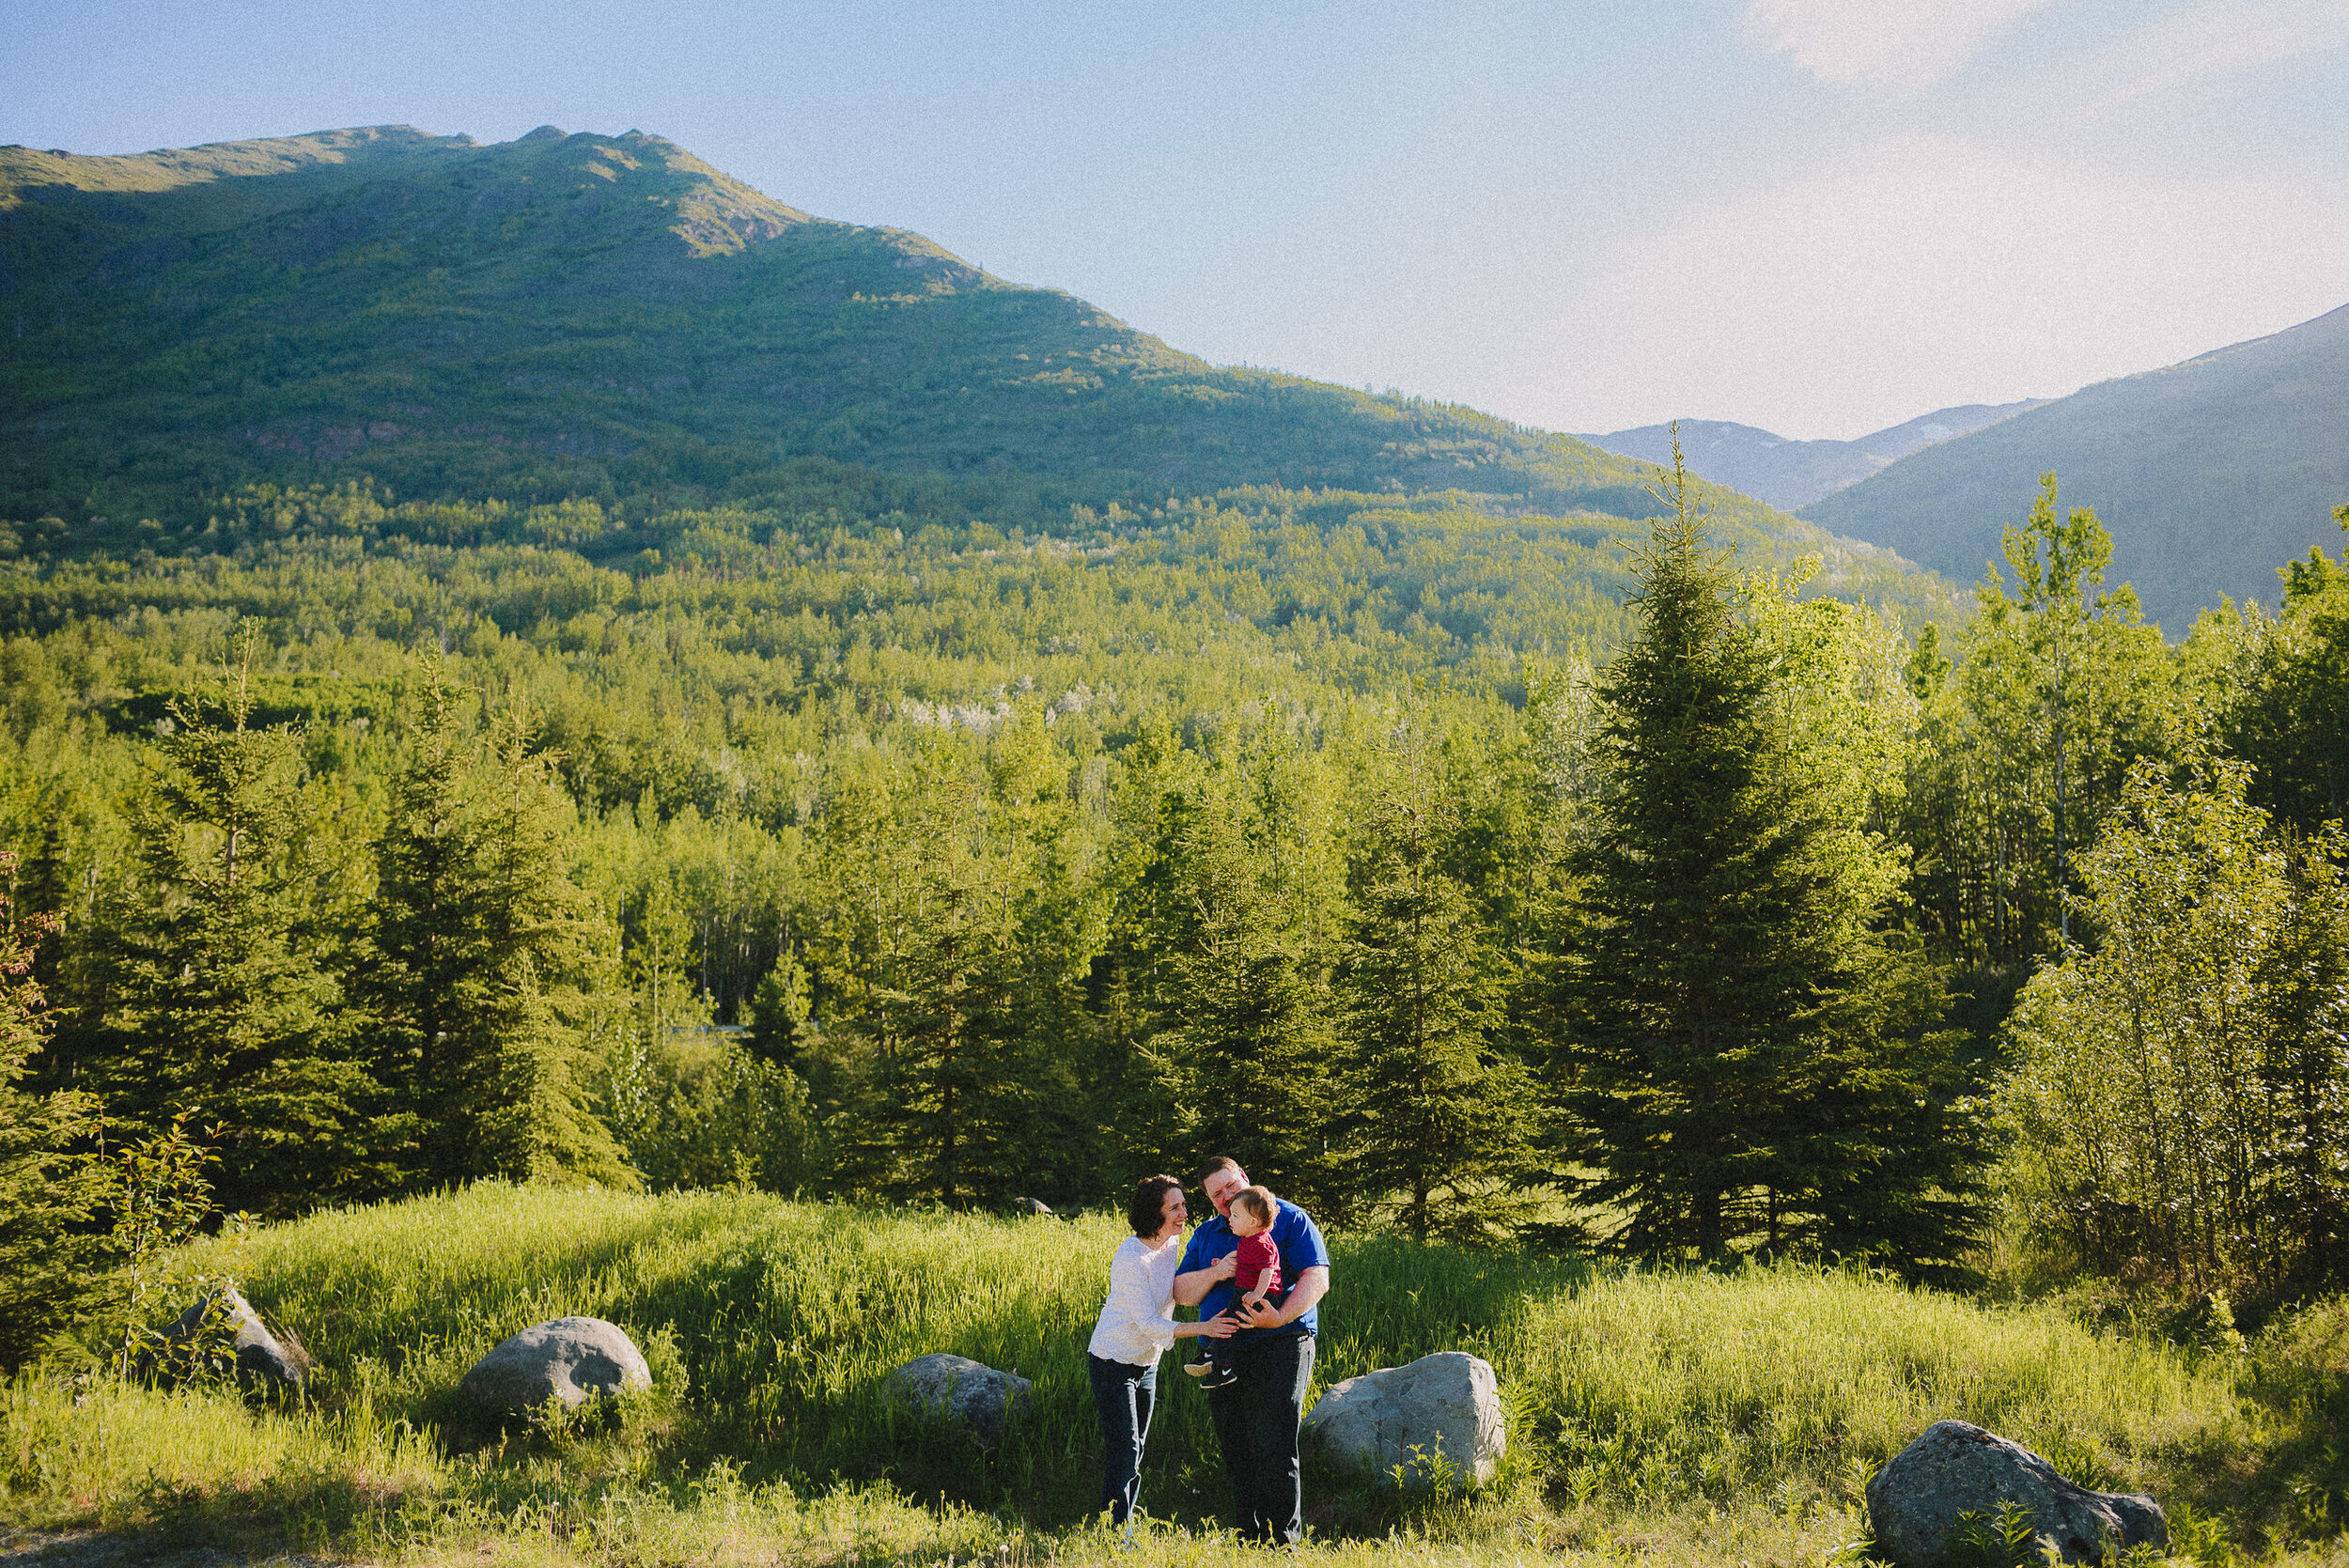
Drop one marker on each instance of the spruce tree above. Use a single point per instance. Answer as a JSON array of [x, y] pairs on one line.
[[949, 1100], [481, 942], [1749, 1061], [543, 933], [217, 995], [1443, 1121], [428, 975], [1246, 1061]]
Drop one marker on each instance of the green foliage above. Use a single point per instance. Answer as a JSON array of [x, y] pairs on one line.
[[1753, 1061], [160, 1199], [704, 1110], [47, 1260], [215, 998], [1223, 952], [2284, 689], [2061, 687], [1679, 991], [2176, 1090], [1441, 1117], [476, 953]]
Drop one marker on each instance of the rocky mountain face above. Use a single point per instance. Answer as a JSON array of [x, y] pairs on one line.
[[2208, 472], [1794, 473]]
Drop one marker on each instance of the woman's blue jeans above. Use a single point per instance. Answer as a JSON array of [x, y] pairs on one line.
[[1124, 1395]]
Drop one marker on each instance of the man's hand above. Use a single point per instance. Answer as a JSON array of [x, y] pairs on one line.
[[1312, 1286], [1191, 1288]]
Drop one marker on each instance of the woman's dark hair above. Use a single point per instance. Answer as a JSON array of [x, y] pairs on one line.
[[1146, 1214]]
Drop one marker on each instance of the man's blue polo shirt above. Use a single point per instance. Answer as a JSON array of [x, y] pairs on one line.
[[1302, 1248]]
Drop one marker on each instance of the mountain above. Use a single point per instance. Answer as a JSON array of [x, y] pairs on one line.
[[1794, 473], [2207, 473], [610, 319]]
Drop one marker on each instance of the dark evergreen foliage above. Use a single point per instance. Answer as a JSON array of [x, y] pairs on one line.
[[1443, 1120], [1245, 1063], [1751, 1064], [216, 994]]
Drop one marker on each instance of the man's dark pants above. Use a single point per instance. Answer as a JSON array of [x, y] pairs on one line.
[[1255, 1423], [1122, 1393]]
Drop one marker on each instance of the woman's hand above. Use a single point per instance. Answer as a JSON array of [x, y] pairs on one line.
[[1220, 1327]]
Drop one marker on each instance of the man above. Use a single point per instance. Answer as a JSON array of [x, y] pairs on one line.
[[1256, 1415]]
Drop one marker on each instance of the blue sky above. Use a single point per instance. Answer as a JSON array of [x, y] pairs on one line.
[[1819, 216]]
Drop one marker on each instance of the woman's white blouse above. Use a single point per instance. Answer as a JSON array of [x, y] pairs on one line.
[[1137, 1323]]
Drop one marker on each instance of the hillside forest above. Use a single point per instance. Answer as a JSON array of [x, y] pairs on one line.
[[1477, 880]]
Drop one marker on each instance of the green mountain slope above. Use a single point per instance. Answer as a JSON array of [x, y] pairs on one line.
[[2208, 472], [609, 317]]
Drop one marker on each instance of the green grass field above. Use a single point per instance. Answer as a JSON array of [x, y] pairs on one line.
[[1684, 1417]]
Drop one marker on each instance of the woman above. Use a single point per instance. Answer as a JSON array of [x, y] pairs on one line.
[[1137, 1327]]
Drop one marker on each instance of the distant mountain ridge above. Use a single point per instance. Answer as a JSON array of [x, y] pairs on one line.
[[611, 318], [2209, 473], [1790, 474]]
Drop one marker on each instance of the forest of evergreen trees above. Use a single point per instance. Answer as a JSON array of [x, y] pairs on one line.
[[1445, 889]]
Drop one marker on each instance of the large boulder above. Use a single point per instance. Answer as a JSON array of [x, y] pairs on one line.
[[1448, 1404], [263, 1358], [970, 1393], [1915, 1501], [570, 1358]]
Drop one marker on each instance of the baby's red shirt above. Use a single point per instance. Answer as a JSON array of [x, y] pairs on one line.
[[1257, 1253]]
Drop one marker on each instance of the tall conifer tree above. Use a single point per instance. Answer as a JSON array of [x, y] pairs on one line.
[[1749, 1059], [1247, 1061], [481, 941], [1443, 1122], [217, 995]]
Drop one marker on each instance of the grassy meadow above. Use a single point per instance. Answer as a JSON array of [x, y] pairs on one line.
[[1683, 1417]]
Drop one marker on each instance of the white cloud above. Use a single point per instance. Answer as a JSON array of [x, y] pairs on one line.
[[1891, 46], [2212, 39], [1931, 271]]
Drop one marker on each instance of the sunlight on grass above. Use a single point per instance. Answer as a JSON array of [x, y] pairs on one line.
[[1678, 1416]]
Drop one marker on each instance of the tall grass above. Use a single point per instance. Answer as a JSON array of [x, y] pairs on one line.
[[1688, 1401]]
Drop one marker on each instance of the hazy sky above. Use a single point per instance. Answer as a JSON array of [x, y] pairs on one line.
[[1819, 216]]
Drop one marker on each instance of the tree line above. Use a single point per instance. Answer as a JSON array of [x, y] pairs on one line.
[[1696, 941]]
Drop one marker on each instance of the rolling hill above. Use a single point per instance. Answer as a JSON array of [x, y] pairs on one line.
[[610, 319], [2208, 472], [1794, 473]]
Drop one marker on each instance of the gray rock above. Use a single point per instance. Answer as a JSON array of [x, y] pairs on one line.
[[571, 1359], [1447, 1404], [1955, 1469], [262, 1358], [970, 1393]]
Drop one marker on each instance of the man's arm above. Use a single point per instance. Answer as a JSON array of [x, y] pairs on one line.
[[1312, 1286], [1191, 1288]]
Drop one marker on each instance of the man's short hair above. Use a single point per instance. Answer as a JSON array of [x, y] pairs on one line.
[[1146, 1213], [1220, 1163], [1258, 1201]]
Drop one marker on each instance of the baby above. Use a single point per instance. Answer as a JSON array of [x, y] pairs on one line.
[[1256, 1273]]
